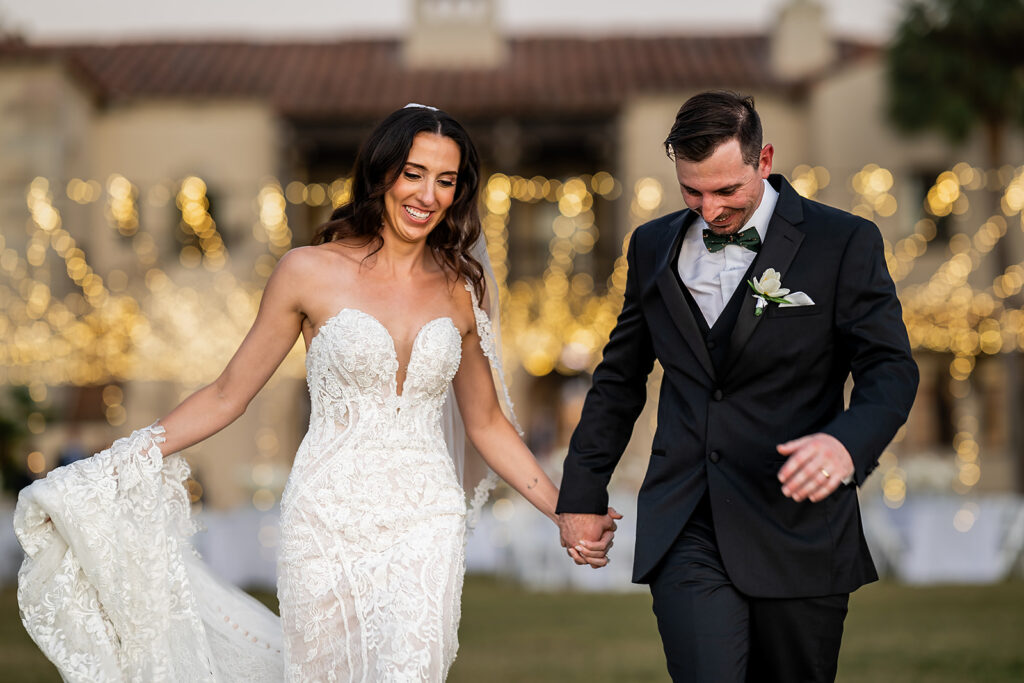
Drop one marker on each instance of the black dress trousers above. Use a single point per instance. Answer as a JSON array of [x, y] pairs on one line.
[[713, 633]]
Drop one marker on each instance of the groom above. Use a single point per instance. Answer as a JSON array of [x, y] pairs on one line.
[[748, 527]]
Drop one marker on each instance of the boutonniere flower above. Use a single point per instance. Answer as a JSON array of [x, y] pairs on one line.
[[769, 287]]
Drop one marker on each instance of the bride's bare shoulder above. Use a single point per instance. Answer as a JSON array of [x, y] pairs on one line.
[[311, 263], [307, 277]]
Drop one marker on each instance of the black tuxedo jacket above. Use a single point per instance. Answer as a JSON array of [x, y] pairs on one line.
[[784, 378]]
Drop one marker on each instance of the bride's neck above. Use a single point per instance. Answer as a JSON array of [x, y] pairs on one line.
[[399, 258]]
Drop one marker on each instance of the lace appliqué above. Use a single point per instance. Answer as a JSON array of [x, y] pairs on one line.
[[108, 586]]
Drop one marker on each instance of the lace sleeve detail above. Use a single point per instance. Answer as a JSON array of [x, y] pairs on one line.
[[480, 495], [487, 345]]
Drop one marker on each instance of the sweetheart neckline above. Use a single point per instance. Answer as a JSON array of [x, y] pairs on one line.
[[387, 332]]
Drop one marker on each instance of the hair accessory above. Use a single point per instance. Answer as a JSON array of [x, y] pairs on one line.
[[422, 106]]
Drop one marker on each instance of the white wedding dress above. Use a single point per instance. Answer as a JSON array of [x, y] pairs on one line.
[[371, 562]]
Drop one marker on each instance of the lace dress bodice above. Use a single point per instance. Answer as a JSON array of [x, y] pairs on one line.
[[352, 372]]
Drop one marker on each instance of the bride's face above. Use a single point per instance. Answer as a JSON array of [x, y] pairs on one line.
[[425, 188]]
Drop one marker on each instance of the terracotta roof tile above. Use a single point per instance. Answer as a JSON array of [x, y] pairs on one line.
[[361, 79]]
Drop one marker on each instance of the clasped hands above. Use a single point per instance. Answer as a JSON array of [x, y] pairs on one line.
[[588, 537]]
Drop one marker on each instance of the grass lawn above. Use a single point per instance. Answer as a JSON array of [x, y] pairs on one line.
[[894, 634]]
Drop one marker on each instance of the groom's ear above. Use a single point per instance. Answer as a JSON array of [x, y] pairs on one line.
[[764, 161]]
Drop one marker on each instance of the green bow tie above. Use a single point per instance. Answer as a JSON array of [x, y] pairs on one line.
[[745, 238]]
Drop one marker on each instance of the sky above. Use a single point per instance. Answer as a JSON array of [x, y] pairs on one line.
[[118, 20]]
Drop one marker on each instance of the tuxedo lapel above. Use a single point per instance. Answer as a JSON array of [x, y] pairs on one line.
[[780, 246], [675, 301]]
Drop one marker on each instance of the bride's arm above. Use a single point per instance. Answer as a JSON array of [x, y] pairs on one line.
[[493, 435], [500, 446], [268, 341]]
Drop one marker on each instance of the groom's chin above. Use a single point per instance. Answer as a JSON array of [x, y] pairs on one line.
[[727, 229]]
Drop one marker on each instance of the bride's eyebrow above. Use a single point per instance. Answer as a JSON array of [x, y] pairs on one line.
[[421, 167]]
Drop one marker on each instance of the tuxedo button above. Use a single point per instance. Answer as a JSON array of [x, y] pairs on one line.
[[714, 457], [711, 345], [717, 395]]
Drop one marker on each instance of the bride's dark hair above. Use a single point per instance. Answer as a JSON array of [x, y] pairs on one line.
[[378, 164]]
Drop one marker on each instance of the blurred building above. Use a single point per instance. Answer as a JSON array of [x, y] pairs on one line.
[[183, 170]]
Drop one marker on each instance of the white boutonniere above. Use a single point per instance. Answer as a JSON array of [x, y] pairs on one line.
[[769, 288]]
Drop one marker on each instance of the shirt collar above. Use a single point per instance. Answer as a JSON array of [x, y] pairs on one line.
[[760, 219], [763, 214]]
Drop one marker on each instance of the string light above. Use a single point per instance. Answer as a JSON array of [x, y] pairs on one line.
[[196, 219], [872, 184], [808, 181], [272, 227], [121, 204]]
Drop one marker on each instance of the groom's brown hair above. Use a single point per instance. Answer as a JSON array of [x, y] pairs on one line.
[[707, 120]]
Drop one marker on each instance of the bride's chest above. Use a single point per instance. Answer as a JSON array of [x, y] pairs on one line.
[[356, 351]]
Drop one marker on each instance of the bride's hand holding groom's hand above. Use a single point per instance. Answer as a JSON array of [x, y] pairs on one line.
[[588, 537]]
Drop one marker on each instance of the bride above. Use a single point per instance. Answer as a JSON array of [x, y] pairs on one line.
[[390, 303]]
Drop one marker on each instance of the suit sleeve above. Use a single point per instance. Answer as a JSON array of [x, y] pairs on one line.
[[612, 406], [872, 335]]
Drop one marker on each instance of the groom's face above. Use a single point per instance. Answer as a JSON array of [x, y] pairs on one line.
[[723, 189]]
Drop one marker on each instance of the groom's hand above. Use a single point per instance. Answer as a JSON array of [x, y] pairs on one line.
[[588, 537], [817, 465]]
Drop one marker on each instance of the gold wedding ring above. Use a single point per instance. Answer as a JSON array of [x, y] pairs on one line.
[[825, 472]]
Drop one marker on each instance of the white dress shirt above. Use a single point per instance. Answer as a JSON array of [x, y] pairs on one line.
[[712, 278]]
